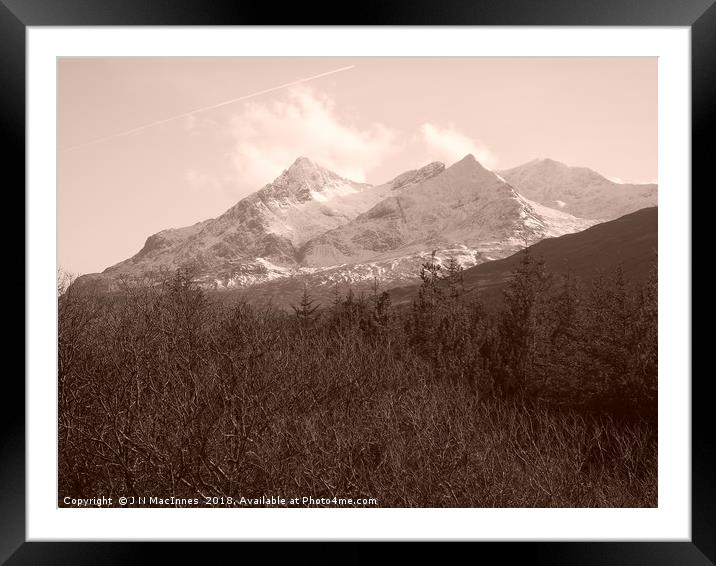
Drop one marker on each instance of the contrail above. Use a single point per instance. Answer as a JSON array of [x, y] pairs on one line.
[[205, 108]]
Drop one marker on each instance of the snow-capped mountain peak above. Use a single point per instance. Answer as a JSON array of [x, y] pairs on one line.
[[305, 180], [312, 221]]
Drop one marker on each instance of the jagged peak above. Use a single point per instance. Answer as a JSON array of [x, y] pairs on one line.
[[432, 166], [302, 162], [469, 162], [417, 175], [304, 170]]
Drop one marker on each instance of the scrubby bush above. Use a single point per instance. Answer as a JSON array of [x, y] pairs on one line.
[[547, 401]]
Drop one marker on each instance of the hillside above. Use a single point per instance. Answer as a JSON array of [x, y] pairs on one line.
[[579, 191], [630, 241], [312, 224], [466, 205]]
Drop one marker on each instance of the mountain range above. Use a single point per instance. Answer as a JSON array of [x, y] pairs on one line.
[[312, 223]]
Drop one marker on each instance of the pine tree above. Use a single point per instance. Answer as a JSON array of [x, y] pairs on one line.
[[453, 341], [611, 339], [424, 314], [454, 278], [524, 300], [305, 310], [381, 306], [431, 270], [562, 359], [646, 355]]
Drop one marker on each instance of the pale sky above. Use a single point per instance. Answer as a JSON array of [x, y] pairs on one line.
[[369, 123]]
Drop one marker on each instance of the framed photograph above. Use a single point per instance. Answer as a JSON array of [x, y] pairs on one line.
[[420, 276]]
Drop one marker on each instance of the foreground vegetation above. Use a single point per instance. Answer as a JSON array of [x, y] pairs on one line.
[[550, 400]]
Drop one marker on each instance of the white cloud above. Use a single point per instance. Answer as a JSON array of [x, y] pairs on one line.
[[449, 145], [269, 136]]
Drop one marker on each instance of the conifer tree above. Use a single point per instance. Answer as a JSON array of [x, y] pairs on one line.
[[382, 310], [305, 310], [454, 277], [524, 300], [381, 307], [611, 340], [562, 363], [424, 314], [646, 348]]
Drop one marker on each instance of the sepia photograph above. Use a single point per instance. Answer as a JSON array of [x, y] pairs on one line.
[[357, 282]]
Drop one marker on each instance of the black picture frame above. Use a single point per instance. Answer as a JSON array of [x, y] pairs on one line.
[[17, 15]]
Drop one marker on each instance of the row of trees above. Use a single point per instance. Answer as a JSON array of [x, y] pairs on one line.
[[552, 338], [165, 389]]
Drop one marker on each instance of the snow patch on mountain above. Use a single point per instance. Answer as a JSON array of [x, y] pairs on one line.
[[553, 222]]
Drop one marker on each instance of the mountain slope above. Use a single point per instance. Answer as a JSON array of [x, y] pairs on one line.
[[578, 190], [630, 240], [312, 225], [465, 206], [265, 229]]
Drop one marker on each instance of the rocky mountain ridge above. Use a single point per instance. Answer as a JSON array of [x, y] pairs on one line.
[[312, 222]]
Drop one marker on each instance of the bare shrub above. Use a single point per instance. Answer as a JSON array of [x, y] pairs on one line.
[[164, 391]]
